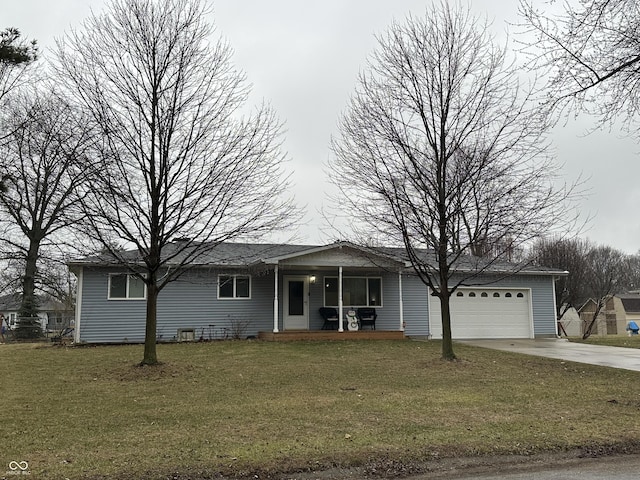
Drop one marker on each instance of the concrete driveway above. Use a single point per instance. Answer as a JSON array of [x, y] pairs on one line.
[[616, 357]]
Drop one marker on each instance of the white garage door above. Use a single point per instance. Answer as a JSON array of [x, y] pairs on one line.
[[485, 313]]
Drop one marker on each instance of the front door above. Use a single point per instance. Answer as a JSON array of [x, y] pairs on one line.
[[296, 303]]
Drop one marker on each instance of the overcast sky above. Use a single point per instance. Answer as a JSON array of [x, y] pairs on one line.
[[303, 58]]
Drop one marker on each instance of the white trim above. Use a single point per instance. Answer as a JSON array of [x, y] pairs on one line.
[[336, 246], [275, 301], [286, 318], [340, 306], [126, 297], [76, 331], [400, 301], [555, 306], [235, 292], [341, 292]]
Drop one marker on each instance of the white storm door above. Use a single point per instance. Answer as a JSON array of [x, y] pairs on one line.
[[295, 308]]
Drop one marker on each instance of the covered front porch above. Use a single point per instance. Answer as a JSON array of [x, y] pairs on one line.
[[342, 278]]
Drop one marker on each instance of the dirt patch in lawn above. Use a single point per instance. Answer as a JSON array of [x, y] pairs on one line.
[[139, 373]]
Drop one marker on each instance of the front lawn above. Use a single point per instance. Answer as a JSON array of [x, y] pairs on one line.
[[250, 407]]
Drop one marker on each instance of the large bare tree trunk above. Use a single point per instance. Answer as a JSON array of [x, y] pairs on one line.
[[150, 355], [447, 341], [28, 305]]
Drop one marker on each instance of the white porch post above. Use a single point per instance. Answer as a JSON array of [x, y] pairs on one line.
[[275, 300], [340, 329], [400, 301]]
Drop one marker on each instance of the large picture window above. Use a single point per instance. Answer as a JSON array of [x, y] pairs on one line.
[[356, 291], [124, 286], [234, 286]]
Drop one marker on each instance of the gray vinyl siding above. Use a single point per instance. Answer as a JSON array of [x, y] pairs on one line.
[[104, 320], [192, 302], [416, 306]]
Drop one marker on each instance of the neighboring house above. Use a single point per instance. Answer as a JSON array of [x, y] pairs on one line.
[[631, 306], [572, 324], [618, 311], [244, 289], [53, 315]]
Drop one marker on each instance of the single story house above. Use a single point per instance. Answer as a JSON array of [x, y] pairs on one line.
[[53, 315], [240, 290]]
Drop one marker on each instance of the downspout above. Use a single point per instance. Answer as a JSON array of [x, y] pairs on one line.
[[400, 301], [275, 300], [340, 328], [76, 330]]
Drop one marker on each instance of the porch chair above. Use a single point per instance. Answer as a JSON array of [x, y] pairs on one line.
[[330, 317], [367, 316]]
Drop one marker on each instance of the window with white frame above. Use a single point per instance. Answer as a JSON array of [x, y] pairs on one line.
[[124, 286], [356, 291], [234, 286]]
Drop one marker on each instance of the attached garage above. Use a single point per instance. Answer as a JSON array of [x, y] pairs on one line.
[[485, 313]]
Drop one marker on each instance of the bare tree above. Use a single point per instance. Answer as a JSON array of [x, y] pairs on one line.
[[442, 151], [591, 53], [177, 160], [569, 254], [631, 273], [605, 271], [43, 162]]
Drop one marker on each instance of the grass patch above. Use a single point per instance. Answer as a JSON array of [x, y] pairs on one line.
[[610, 340], [236, 408]]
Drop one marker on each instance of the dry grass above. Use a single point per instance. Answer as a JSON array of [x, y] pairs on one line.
[[241, 407], [611, 340]]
